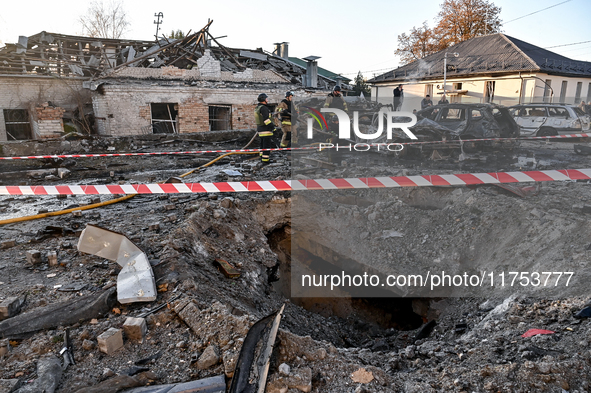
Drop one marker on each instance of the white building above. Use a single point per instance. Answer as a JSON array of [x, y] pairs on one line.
[[493, 68]]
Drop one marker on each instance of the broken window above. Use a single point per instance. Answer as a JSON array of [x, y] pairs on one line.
[[558, 112], [18, 126], [454, 114], [476, 114], [164, 118], [220, 117], [533, 112]]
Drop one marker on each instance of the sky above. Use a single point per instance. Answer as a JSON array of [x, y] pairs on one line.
[[349, 36]]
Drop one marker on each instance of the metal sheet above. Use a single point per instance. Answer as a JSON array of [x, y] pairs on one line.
[[135, 282], [253, 55]]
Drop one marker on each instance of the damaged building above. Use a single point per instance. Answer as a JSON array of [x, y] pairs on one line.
[[55, 83]]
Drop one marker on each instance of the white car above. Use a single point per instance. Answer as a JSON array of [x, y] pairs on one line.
[[550, 119]]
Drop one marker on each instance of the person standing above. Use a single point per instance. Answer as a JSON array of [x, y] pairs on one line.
[[285, 110], [443, 100], [426, 102], [398, 98], [264, 121], [336, 100]]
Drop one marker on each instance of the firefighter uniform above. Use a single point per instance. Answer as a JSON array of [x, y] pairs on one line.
[[336, 100], [264, 121], [285, 113]]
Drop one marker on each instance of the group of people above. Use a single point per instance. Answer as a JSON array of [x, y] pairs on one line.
[[425, 103], [269, 122]]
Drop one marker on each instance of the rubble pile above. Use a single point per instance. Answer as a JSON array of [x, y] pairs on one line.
[[219, 264]]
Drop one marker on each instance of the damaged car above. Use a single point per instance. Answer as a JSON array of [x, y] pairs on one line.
[[550, 119], [465, 121], [456, 123]]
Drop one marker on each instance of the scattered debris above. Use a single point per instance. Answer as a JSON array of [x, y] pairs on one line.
[[148, 359], [9, 385], [208, 358], [135, 282], [255, 355], [11, 306], [425, 330], [362, 376], [228, 270], [33, 257], [534, 332], [135, 329], [67, 351], [120, 382], [231, 172], [49, 372], [583, 150], [215, 384], [63, 313], [522, 191], [7, 244], [584, 313], [110, 341]]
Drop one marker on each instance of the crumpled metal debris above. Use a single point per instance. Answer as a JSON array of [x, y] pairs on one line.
[[135, 282], [255, 355]]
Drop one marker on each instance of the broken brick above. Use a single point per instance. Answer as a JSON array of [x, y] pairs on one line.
[[9, 307], [135, 328], [7, 244], [52, 258], [34, 256], [110, 341]]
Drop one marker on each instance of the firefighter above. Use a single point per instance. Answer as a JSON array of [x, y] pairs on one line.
[[285, 112], [264, 121], [336, 100]]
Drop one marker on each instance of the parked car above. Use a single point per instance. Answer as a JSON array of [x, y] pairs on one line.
[[465, 121], [550, 119]]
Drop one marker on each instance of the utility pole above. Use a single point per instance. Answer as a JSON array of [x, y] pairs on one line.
[[158, 22], [455, 54]]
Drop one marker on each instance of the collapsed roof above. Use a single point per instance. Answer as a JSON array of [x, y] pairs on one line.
[[87, 57]]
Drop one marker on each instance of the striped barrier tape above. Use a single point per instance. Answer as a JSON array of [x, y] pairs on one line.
[[455, 141], [311, 184]]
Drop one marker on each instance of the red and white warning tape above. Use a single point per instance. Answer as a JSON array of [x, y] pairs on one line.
[[316, 184], [285, 148]]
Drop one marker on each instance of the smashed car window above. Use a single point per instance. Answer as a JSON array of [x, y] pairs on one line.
[[558, 112]]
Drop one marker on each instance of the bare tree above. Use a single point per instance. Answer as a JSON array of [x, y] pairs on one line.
[[105, 20], [457, 21]]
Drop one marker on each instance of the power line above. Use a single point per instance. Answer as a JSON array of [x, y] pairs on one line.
[[535, 12], [558, 46]]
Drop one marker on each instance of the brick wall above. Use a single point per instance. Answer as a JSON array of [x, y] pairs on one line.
[[48, 121], [193, 116], [242, 116], [124, 109], [18, 92]]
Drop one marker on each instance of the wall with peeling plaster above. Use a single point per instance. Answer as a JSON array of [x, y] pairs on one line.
[[124, 109], [30, 92]]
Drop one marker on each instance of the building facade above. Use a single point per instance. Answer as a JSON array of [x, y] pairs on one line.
[[494, 68]]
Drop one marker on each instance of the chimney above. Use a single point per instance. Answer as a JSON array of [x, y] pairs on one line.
[[281, 49], [312, 71]]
